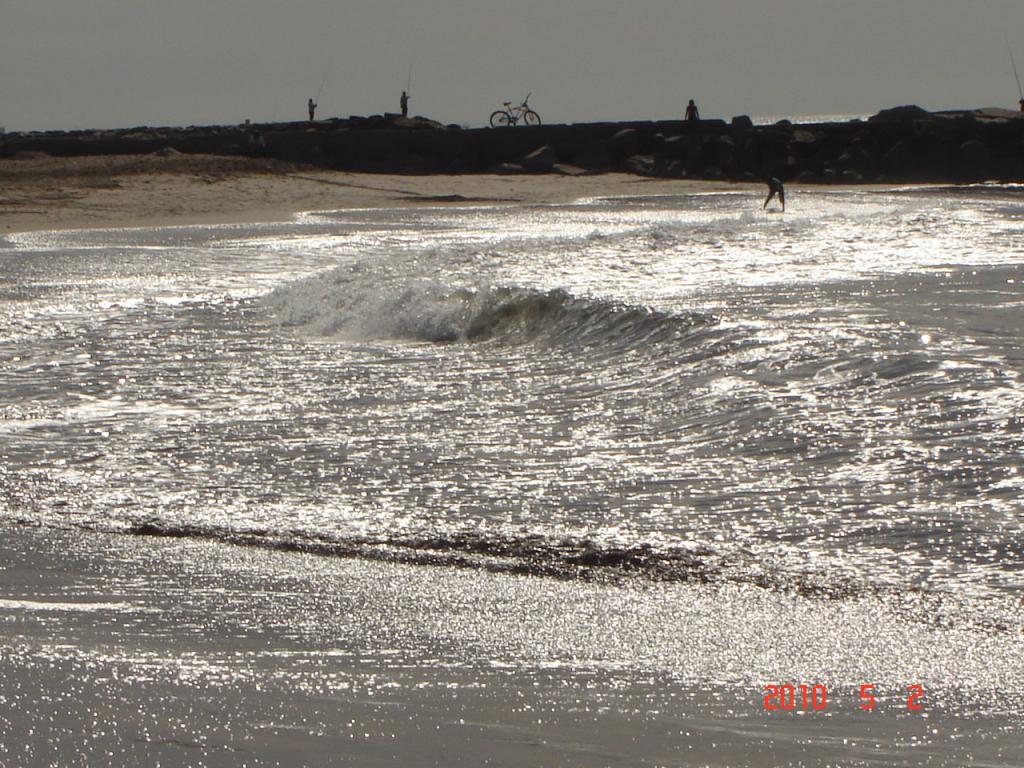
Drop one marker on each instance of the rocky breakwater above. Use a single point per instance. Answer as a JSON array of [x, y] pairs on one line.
[[905, 144]]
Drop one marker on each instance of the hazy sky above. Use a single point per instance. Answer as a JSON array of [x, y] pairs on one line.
[[120, 63]]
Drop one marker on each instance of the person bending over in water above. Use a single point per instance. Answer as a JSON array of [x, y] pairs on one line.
[[775, 188]]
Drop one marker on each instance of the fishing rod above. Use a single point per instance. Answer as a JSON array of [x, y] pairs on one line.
[[408, 80], [1013, 63], [321, 88]]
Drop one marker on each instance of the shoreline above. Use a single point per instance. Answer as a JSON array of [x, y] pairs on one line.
[[45, 194], [114, 192], [144, 650]]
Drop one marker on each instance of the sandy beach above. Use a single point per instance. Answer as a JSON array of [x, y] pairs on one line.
[[126, 191]]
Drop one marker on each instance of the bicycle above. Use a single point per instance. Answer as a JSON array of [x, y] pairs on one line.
[[510, 115]]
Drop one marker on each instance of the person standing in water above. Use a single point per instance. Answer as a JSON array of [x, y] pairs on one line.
[[312, 109], [775, 188], [404, 102]]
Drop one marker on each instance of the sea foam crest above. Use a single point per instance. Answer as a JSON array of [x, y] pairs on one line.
[[425, 310]]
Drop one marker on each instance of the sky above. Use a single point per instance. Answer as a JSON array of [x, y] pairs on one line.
[[71, 64]]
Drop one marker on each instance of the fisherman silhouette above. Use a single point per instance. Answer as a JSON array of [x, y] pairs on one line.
[[312, 109], [775, 188], [692, 115], [404, 101], [1022, 105]]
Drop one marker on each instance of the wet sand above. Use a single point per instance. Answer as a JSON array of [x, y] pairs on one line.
[[120, 650]]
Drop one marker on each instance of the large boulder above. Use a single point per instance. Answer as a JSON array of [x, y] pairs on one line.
[[775, 156], [541, 160], [856, 157], [592, 155], [742, 123], [908, 113], [674, 147], [726, 154], [675, 170], [695, 159], [642, 165], [624, 143], [901, 158], [804, 136], [974, 152], [974, 160]]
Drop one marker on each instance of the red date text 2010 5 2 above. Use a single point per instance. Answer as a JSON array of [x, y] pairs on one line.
[[805, 698]]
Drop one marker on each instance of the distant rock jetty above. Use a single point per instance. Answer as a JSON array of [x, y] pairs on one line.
[[904, 144]]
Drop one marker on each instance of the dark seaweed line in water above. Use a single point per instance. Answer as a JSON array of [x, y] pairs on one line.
[[582, 561], [527, 556]]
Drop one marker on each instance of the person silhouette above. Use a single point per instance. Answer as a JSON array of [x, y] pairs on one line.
[[404, 101], [312, 109], [775, 188], [692, 115]]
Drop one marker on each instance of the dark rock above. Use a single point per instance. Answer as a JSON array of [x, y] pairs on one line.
[[750, 152], [644, 165], [694, 154], [855, 158], [625, 143], [675, 170], [774, 156], [906, 144], [908, 113], [569, 170], [900, 158], [675, 147], [540, 160], [595, 155], [725, 153], [974, 154]]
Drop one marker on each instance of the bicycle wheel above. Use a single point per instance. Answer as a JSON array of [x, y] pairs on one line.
[[501, 118], [531, 118]]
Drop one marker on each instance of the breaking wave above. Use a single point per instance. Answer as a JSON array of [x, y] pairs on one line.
[[426, 311]]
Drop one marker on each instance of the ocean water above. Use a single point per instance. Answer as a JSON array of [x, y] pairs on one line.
[[663, 390], [666, 387], [844, 117]]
